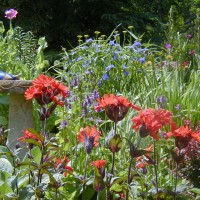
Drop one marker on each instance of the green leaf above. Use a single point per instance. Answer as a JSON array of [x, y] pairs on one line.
[[6, 165], [116, 187], [4, 187], [52, 179], [196, 190], [3, 120], [32, 141]]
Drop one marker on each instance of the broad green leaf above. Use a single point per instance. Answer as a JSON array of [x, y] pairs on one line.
[[6, 165], [4, 187]]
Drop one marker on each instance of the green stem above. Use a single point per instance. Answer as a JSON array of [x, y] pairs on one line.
[[128, 178], [42, 150], [176, 177], [85, 176], [155, 166]]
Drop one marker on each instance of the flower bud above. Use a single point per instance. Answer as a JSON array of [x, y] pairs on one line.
[[115, 143]]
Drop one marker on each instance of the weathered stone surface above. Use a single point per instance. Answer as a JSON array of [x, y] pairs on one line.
[[14, 86], [20, 118], [20, 111]]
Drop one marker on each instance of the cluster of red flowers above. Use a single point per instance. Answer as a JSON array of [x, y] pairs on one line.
[[183, 136], [150, 121], [45, 90], [28, 135], [62, 165], [116, 107]]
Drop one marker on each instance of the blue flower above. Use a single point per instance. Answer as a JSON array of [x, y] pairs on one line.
[[137, 44], [124, 67], [110, 67], [105, 77], [112, 43]]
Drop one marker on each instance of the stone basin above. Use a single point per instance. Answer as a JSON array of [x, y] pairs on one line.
[[20, 110]]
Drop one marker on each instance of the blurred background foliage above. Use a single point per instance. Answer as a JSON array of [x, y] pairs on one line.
[[60, 21]]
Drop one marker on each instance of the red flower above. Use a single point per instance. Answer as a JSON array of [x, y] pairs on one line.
[[150, 121], [116, 107], [62, 165], [90, 132], [28, 135], [89, 136], [183, 135], [99, 163], [45, 90]]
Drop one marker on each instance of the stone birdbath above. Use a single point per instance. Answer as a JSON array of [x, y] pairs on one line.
[[20, 110]]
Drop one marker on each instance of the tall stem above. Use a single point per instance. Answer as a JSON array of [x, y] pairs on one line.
[[155, 165], [176, 177], [129, 169], [42, 150], [85, 176], [112, 167]]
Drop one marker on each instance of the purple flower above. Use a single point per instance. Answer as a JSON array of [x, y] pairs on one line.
[[124, 67], [168, 46], [177, 107], [142, 60], [10, 14], [161, 99], [189, 36], [63, 124], [95, 94], [192, 52], [105, 77]]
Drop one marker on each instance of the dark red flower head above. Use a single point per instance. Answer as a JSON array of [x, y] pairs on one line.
[[116, 107]]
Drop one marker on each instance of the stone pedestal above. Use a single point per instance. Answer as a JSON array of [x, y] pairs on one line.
[[20, 110]]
